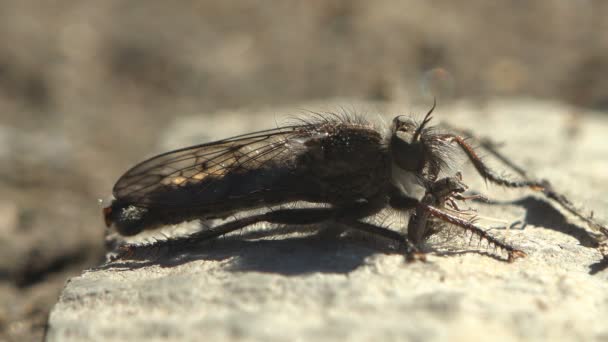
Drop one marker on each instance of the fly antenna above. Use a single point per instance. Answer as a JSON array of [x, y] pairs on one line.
[[426, 120]]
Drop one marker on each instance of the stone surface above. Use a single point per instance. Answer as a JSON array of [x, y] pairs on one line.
[[87, 87], [301, 287]]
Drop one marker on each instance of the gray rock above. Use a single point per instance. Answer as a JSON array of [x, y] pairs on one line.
[[301, 287]]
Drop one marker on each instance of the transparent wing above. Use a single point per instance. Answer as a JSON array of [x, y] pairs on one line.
[[184, 173]]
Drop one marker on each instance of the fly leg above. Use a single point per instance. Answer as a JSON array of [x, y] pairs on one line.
[[549, 191], [538, 185], [488, 145], [299, 216], [411, 251], [489, 174], [513, 253], [419, 226], [440, 192], [128, 250]]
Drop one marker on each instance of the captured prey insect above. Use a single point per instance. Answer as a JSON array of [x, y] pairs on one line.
[[348, 168]]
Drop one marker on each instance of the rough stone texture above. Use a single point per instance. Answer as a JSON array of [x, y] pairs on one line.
[[87, 87], [315, 287]]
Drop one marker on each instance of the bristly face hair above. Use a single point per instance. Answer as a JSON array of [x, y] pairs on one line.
[[340, 161]]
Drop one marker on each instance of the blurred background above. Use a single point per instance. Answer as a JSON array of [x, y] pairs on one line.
[[88, 87]]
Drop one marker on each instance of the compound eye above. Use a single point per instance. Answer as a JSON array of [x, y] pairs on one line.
[[404, 124]]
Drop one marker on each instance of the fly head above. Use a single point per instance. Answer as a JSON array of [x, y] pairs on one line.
[[409, 145]]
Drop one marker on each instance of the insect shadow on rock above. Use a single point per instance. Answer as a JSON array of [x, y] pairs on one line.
[[347, 168]]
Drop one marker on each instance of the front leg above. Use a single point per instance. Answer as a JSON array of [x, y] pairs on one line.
[[434, 199], [439, 192]]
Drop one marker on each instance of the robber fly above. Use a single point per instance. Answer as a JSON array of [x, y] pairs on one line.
[[354, 169]]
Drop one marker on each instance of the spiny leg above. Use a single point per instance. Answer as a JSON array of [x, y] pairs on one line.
[[488, 145], [411, 251], [301, 216], [492, 147], [538, 185], [488, 173], [512, 252], [563, 201], [444, 190], [418, 226], [438, 194], [548, 190]]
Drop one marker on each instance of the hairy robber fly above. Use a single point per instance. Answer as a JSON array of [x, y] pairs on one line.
[[343, 162]]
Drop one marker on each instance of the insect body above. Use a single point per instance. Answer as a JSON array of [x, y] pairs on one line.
[[332, 163], [342, 162]]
